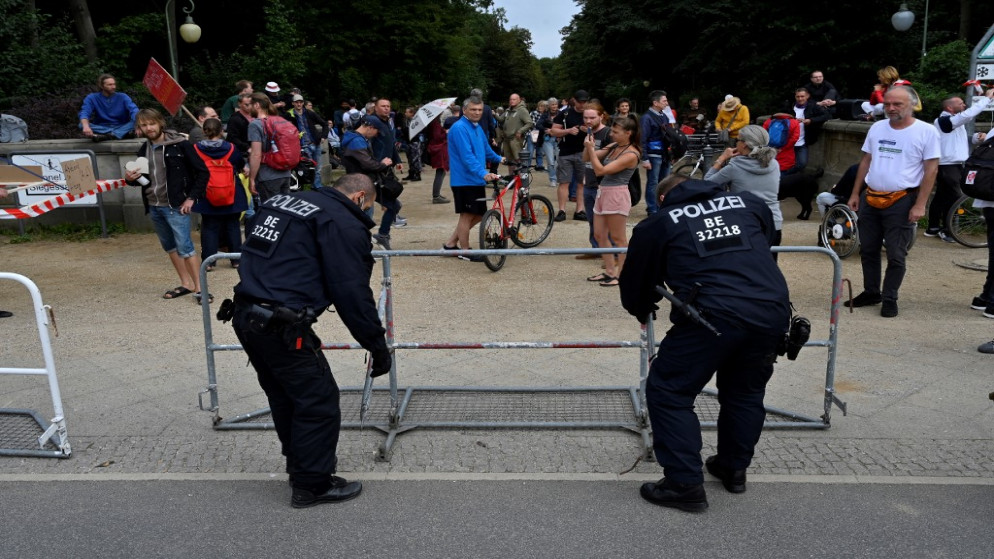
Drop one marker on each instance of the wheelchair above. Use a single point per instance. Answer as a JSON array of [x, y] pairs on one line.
[[839, 232]]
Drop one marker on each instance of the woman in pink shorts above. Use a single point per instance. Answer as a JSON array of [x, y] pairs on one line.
[[613, 165]]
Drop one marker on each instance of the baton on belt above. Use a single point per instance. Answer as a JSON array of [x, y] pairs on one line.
[[686, 308]]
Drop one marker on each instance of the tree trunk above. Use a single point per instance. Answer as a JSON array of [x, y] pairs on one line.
[[84, 27]]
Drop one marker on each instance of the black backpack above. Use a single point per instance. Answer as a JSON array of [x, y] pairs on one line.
[[978, 172], [676, 140]]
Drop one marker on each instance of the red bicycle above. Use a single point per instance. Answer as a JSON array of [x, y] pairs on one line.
[[527, 224]]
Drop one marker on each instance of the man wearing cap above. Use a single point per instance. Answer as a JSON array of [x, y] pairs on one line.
[[568, 126], [307, 122], [107, 115]]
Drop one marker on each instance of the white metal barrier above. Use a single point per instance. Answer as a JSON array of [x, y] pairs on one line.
[[17, 425]]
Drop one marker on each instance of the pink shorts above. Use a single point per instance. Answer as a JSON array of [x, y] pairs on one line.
[[613, 200]]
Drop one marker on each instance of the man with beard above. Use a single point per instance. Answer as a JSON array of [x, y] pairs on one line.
[[107, 115], [263, 179]]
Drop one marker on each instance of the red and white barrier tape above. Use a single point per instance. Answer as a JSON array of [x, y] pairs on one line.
[[49, 204]]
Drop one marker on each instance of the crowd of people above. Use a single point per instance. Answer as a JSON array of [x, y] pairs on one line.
[[707, 240]]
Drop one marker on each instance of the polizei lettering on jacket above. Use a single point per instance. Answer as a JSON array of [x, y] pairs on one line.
[[292, 204], [706, 207]]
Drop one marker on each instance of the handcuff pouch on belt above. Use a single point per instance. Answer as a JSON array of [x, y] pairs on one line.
[[293, 326], [883, 200]]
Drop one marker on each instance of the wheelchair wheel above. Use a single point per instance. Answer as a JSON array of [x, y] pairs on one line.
[[966, 223], [838, 230]]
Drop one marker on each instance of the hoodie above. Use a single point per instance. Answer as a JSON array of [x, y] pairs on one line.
[[745, 174], [175, 172]]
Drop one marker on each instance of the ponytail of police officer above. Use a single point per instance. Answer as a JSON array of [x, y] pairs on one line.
[[711, 248], [304, 252]]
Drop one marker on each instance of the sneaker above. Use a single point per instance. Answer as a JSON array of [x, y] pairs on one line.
[[986, 348], [400, 222], [580, 216], [932, 232], [979, 303], [864, 299], [889, 309], [439, 200], [474, 258], [733, 480], [540, 169], [382, 240], [946, 237], [688, 498], [989, 311], [561, 216]]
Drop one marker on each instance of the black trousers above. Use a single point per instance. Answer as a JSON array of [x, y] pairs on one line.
[[876, 226], [688, 357], [947, 191], [303, 397]]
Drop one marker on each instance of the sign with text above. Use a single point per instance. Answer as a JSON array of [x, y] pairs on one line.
[[163, 87], [51, 169], [79, 175]]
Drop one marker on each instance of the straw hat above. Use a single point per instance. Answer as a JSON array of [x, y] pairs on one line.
[[731, 104]]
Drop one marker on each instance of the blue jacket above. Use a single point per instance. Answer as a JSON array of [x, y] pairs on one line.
[[114, 110], [469, 152], [653, 137]]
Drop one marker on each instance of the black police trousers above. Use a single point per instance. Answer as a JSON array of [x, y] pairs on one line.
[[303, 396], [688, 357]]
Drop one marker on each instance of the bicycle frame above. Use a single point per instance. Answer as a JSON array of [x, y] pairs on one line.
[[508, 220]]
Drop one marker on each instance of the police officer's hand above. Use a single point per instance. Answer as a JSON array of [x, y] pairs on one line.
[[381, 363]]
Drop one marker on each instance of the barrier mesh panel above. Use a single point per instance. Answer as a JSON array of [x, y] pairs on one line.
[[20, 431]]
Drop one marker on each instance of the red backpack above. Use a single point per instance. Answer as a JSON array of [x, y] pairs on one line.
[[221, 185], [283, 151]]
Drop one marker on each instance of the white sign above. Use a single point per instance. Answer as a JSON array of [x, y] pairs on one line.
[[51, 170]]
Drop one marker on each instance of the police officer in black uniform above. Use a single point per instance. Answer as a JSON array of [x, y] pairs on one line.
[[304, 252], [712, 249]]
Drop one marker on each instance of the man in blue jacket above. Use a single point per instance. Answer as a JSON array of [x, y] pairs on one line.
[[108, 115], [712, 249], [469, 153]]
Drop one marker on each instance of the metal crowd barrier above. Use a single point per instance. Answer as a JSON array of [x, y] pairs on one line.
[[23, 432], [395, 410]]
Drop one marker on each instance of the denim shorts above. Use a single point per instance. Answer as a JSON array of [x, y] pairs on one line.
[[173, 229]]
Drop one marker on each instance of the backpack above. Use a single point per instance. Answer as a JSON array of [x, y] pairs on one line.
[[676, 140], [978, 172], [779, 131], [13, 129], [283, 151], [221, 185]]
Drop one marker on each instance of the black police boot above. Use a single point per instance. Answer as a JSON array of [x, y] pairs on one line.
[[733, 480], [340, 490], [685, 497]]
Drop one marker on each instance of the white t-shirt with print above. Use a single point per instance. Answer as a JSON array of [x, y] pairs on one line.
[[898, 156]]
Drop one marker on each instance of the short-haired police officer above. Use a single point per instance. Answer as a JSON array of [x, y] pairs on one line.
[[304, 252], [712, 249]]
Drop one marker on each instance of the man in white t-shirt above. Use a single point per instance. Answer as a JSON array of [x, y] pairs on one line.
[[899, 165]]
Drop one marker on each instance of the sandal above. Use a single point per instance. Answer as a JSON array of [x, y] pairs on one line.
[[609, 281], [600, 277], [197, 296], [176, 292]]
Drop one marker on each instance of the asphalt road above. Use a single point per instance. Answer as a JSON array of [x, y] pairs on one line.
[[222, 518]]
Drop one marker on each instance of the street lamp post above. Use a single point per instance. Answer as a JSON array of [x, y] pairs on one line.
[[903, 19], [190, 32]]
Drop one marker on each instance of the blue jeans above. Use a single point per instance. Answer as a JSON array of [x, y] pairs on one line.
[[211, 229], [551, 152], [392, 208], [173, 230], [116, 130], [660, 168], [800, 160], [314, 152], [589, 197]]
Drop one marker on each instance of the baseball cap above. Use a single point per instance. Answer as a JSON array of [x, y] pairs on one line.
[[366, 120], [298, 98], [273, 87], [581, 95]]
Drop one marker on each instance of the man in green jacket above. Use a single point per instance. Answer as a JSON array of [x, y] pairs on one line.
[[514, 123]]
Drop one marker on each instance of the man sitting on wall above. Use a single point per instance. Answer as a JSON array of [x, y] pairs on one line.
[[107, 114]]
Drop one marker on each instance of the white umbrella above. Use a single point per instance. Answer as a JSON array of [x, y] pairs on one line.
[[427, 113]]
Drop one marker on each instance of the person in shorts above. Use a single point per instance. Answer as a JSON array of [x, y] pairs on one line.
[[469, 153]]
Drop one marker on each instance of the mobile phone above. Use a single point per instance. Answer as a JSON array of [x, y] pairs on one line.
[[590, 130]]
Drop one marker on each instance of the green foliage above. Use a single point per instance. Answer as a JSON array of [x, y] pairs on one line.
[[40, 54], [116, 42], [281, 52], [942, 72]]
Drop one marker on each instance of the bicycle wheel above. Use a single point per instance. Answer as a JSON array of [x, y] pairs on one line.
[[492, 236], [691, 169], [838, 230], [534, 217], [966, 223]]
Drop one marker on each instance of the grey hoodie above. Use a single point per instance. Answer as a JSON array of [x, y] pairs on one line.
[[747, 174]]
